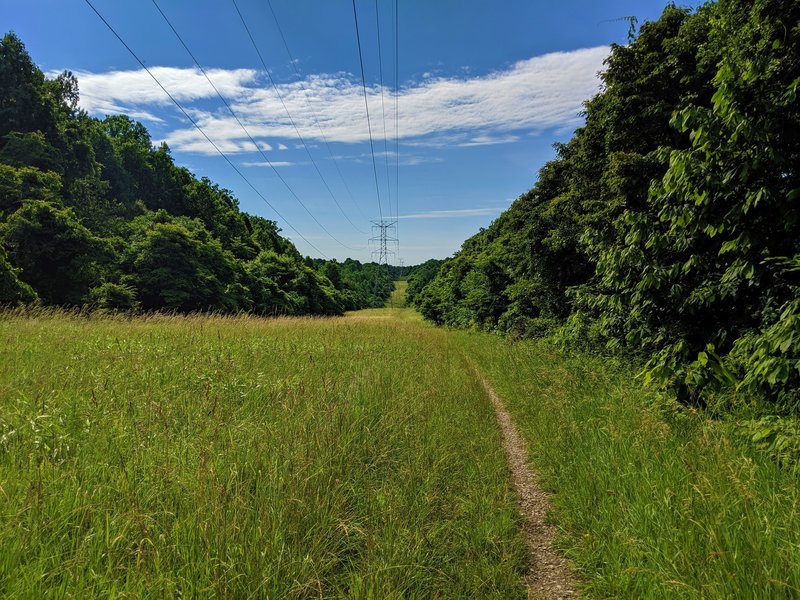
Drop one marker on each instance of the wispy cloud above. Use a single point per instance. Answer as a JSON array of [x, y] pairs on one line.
[[456, 213], [531, 95], [137, 88], [413, 160], [405, 160], [488, 140], [274, 163]]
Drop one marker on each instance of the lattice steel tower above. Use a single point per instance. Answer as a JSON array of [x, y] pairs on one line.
[[384, 241]]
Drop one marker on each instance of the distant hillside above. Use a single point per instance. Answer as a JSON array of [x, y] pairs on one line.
[[668, 226], [92, 214]]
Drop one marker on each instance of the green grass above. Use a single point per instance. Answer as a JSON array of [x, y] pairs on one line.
[[398, 297], [243, 457], [651, 503]]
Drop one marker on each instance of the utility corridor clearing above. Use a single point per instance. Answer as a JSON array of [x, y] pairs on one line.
[[361, 457], [237, 456]]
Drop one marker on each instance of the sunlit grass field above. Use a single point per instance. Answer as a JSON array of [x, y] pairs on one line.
[[653, 501], [244, 457], [398, 297], [358, 456]]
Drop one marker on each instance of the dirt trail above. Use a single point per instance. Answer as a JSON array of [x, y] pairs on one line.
[[549, 574]]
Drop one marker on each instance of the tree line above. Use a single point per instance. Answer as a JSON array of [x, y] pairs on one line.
[[93, 214], [667, 227]]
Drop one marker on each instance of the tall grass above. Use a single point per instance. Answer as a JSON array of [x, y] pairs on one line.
[[398, 297], [651, 503], [242, 457]]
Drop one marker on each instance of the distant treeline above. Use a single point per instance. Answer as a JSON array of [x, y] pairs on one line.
[[668, 227], [92, 214]]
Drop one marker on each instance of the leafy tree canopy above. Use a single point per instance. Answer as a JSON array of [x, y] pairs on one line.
[[92, 213], [668, 226]]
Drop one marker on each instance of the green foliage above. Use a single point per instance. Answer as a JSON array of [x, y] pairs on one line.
[[88, 201], [175, 268], [12, 290], [25, 102], [359, 285], [419, 276], [57, 256], [29, 149], [695, 272], [778, 438], [772, 358], [114, 297], [268, 297], [26, 183], [657, 230]]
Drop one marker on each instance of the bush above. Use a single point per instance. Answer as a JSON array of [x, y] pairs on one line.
[[114, 297], [12, 290]]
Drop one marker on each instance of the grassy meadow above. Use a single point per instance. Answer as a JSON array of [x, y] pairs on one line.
[[652, 501], [398, 297], [357, 456], [244, 457]]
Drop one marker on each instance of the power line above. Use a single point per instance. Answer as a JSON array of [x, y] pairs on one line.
[[397, 118], [311, 108], [247, 133], [200, 129], [297, 131], [383, 108], [366, 106]]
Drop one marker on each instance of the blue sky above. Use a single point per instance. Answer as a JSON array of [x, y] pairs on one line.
[[485, 89]]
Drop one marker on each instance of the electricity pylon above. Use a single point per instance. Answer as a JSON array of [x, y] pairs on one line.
[[383, 241]]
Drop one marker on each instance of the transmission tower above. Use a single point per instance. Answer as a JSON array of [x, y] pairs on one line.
[[383, 241]]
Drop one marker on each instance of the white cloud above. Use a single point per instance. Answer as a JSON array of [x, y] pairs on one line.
[[119, 90], [274, 163], [412, 161], [103, 107], [488, 140], [406, 160], [532, 95], [449, 214], [282, 147]]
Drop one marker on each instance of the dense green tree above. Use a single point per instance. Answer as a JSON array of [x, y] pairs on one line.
[[219, 211], [698, 270], [111, 296], [268, 297], [29, 149], [57, 256], [370, 284], [12, 290], [306, 290], [419, 276], [331, 270], [91, 212], [177, 268], [26, 183], [24, 102], [668, 225]]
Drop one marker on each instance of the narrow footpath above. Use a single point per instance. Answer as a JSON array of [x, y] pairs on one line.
[[549, 574]]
